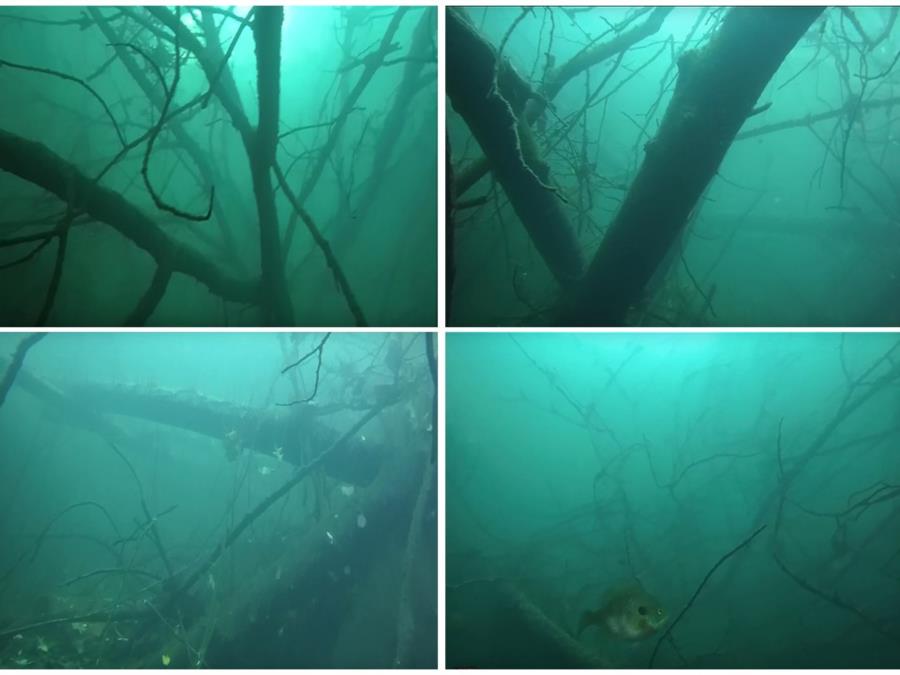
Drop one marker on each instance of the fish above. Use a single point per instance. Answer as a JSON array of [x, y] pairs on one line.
[[628, 613]]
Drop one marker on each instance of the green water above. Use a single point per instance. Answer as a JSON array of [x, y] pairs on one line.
[[189, 497], [578, 462], [799, 226], [356, 142]]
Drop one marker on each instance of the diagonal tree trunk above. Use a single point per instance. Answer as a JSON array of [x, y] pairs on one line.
[[487, 95], [717, 88]]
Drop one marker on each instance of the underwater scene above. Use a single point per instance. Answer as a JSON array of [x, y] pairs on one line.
[[673, 500], [252, 500], [218, 166], [673, 166]]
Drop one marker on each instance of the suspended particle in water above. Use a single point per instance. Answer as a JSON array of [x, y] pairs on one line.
[[347, 570], [347, 490], [361, 521]]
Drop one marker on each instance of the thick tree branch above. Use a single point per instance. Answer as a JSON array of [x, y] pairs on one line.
[[716, 90], [35, 163]]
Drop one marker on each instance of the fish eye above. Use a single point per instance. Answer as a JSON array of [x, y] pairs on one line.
[[642, 610]]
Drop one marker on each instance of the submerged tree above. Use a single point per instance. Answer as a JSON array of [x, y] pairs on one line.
[[777, 483], [319, 519], [547, 145], [170, 129]]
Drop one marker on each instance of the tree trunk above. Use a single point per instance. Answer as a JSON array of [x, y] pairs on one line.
[[488, 96], [716, 90]]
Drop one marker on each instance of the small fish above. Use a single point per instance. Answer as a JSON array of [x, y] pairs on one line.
[[264, 470], [347, 570], [21, 662], [42, 645], [80, 628], [278, 573], [347, 490], [628, 613], [361, 521], [279, 453], [166, 659], [330, 537]]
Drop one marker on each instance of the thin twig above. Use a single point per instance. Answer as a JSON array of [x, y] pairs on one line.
[[709, 574]]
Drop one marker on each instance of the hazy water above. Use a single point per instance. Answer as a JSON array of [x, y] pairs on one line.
[[313, 578], [780, 238], [575, 462], [371, 189]]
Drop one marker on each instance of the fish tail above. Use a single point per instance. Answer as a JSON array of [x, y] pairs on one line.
[[587, 619]]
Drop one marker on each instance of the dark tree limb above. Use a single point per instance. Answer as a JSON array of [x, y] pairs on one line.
[[475, 85], [157, 129], [556, 79], [267, 36], [449, 228], [708, 576], [373, 63], [716, 90], [809, 120], [317, 352], [185, 140], [151, 297], [9, 376], [330, 258], [70, 78], [35, 163], [301, 473]]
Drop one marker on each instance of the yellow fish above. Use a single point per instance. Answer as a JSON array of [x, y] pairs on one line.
[[628, 613]]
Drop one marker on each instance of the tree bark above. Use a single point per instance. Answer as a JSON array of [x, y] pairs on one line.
[[716, 90], [37, 164], [267, 35], [483, 92]]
